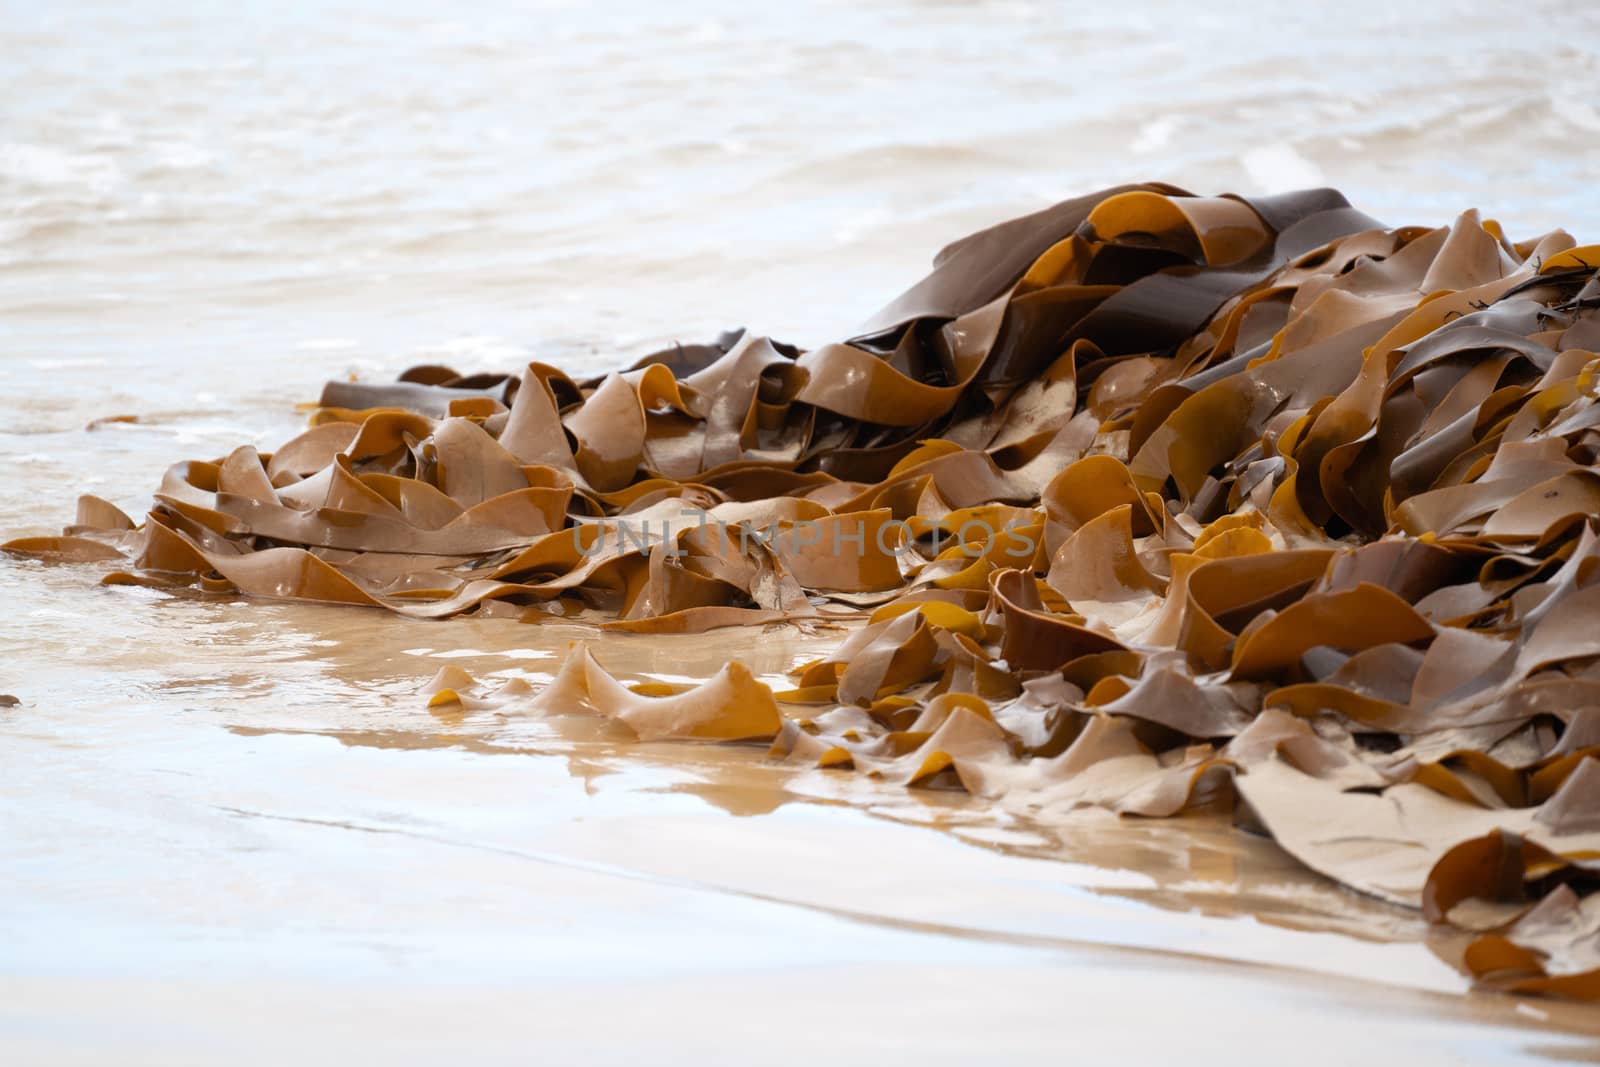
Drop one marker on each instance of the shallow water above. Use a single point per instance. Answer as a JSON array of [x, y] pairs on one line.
[[219, 817]]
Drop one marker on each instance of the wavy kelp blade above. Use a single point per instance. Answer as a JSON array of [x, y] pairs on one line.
[[1148, 501], [732, 706]]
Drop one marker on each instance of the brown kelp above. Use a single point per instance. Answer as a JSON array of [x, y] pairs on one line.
[[1146, 501]]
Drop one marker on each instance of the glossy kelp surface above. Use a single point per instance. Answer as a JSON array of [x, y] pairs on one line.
[[1148, 501]]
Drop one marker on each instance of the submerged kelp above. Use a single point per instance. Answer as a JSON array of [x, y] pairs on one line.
[[1145, 501]]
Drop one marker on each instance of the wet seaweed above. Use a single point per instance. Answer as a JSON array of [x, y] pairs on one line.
[[1146, 501]]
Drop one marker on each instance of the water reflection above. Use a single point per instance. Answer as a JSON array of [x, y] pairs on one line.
[[1196, 864]]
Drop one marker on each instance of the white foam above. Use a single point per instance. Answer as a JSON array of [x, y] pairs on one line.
[[1279, 168], [1154, 136], [34, 164], [1582, 115]]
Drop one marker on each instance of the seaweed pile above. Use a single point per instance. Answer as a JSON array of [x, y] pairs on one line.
[[1148, 501]]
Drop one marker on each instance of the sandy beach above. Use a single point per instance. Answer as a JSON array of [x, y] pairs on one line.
[[235, 830]]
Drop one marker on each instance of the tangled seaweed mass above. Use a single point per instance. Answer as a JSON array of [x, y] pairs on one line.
[[1275, 507]]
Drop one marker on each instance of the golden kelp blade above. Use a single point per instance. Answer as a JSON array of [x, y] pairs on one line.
[[1147, 501]]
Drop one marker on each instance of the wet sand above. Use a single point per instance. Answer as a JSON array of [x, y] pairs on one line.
[[269, 845], [938, 1009]]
